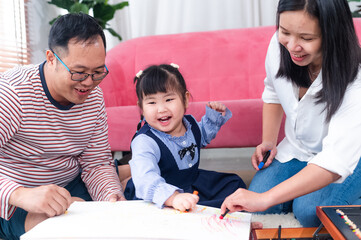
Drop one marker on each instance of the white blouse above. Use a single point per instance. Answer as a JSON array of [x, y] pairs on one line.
[[335, 146]]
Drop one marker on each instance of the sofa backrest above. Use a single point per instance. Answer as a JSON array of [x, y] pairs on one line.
[[226, 65], [216, 65]]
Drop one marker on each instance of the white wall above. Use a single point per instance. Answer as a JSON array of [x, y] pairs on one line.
[[152, 17]]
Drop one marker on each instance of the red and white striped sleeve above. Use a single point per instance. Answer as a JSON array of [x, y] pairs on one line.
[[10, 119], [98, 170]]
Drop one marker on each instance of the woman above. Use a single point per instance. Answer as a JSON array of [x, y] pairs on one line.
[[313, 77]]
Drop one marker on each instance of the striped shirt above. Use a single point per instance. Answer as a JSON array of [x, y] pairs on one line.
[[43, 142]]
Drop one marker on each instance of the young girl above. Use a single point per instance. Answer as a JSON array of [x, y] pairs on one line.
[[165, 151]]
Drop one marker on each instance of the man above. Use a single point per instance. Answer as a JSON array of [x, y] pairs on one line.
[[53, 130]]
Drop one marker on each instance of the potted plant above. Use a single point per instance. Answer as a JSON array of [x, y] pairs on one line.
[[357, 12], [102, 11]]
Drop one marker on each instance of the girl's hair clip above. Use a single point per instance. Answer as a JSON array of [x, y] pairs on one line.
[[139, 73], [174, 65]]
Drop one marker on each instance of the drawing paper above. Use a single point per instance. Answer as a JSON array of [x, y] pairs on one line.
[[140, 220]]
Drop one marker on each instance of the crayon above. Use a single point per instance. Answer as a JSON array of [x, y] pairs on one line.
[[195, 192], [224, 214], [265, 157]]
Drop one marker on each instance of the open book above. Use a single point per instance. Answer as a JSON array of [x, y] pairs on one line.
[[140, 220]]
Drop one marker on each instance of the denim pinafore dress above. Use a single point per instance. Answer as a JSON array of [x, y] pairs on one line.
[[213, 187]]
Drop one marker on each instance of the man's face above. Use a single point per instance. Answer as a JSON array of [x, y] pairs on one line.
[[82, 57]]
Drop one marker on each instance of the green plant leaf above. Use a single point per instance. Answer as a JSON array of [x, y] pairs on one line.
[[356, 14], [103, 12], [66, 4], [114, 33], [101, 23], [101, 1], [79, 7], [89, 3], [52, 21], [123, 4]]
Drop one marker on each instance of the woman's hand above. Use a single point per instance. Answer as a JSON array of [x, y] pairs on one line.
[[244, 200], [260, 151]]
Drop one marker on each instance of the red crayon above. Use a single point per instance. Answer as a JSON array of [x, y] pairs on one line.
[[224, 214]]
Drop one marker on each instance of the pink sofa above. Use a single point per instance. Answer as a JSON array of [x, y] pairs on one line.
[[226, 66]]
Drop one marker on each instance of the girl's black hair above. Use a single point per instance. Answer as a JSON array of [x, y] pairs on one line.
[[341, 54], [160, 78]]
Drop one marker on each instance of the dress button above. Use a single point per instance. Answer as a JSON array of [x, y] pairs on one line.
[[184, 143], [187, 153], [190, 165]]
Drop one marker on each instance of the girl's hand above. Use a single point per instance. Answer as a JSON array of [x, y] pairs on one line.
[[217, 106], [182, 201], [260, 151]]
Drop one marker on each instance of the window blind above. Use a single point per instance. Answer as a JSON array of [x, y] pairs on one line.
[[14, 47]]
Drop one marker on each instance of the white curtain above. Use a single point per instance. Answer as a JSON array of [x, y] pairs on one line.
[[39, 15], [153, 17]]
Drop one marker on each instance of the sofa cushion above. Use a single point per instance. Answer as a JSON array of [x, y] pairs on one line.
[[244, 129]]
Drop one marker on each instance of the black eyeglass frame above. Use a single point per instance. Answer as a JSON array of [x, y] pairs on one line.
[[85, 75]]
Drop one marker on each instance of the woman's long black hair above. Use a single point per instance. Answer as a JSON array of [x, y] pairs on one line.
[[341, 54]]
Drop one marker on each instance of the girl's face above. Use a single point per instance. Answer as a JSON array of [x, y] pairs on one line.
[[300, 34], [165, 111]]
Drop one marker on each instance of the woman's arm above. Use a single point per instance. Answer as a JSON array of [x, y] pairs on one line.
[[271, 123], [308, 180]]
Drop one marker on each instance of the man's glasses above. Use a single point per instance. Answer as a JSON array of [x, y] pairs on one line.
[[75, 76]]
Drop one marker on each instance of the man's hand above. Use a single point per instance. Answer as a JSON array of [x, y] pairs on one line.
[[50, 200], [116, 197]]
